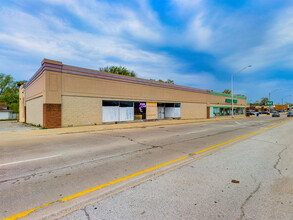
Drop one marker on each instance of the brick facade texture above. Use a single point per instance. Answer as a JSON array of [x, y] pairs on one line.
[[52, 116]]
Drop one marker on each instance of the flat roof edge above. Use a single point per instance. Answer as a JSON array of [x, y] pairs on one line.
[[48, 64], [112, 76]]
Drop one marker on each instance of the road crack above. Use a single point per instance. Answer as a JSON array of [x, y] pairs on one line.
[[86, 213], [270, 142], [137, 142], [278, 161], [247, 199]]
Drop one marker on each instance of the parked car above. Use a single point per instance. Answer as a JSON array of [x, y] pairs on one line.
[[250, 113], [290, 114], [264, 113], [276, 114]]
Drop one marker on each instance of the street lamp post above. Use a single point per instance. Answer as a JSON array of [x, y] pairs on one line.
[[283, 103], [232, 93]]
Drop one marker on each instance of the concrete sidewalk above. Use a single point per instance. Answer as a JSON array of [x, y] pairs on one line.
[[104, 127]]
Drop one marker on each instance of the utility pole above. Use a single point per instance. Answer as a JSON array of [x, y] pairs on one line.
[[283, 103], [232, 93], [270, 95]]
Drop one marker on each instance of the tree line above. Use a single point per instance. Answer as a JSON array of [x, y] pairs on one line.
[[125, 72]]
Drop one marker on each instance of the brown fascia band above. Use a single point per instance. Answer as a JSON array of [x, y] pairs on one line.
[[52, 115]]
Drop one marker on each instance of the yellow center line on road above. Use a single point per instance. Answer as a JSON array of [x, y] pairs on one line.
[[23, 214], [244, 136]]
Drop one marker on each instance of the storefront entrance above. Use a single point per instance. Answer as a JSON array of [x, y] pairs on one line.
[[139, 110], [168, 110], [161, 111]]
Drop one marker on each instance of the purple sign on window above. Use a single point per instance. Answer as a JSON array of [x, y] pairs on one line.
[[142, 105]]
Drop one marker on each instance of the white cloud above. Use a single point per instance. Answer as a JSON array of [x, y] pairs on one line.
[[57, 39], [19, 32], [198, 33], [276, 47], [51, 37], [112, 34], [114, 19]]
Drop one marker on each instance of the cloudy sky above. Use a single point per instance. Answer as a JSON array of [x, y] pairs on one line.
[[197, 43]]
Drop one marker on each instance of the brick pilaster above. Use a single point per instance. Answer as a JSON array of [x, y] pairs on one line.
[[208, 112], [52, 115]]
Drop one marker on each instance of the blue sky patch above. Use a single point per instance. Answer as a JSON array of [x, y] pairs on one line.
[[196, 43]]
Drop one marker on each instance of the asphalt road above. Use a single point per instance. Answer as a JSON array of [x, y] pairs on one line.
[[204, 189], [38, 170]]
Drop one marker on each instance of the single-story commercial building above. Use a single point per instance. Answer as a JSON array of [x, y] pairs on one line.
[[60, 95]]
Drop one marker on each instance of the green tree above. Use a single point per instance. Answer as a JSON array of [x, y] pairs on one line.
[[11, 99], [170, 81], [227, 91], [162, 81], [256, 103], [9, 92], [118, 70], [263, 101], [6, 83]]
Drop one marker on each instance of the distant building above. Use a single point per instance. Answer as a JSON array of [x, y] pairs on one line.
[[281, 107], [3, 106], [5, 113], [59, 95], [259, 108]]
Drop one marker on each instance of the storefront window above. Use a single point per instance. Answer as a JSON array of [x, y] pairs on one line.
[[117, 103], [226, 111], [110, 103], [126, 104], [169, 105]]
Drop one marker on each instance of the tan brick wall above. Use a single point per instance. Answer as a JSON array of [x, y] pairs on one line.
[[193, 110], [52, 94], [73, 85], [80, 111], [221, 100], [36, 89], [151, 111], [34, 111], [21, 104]]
